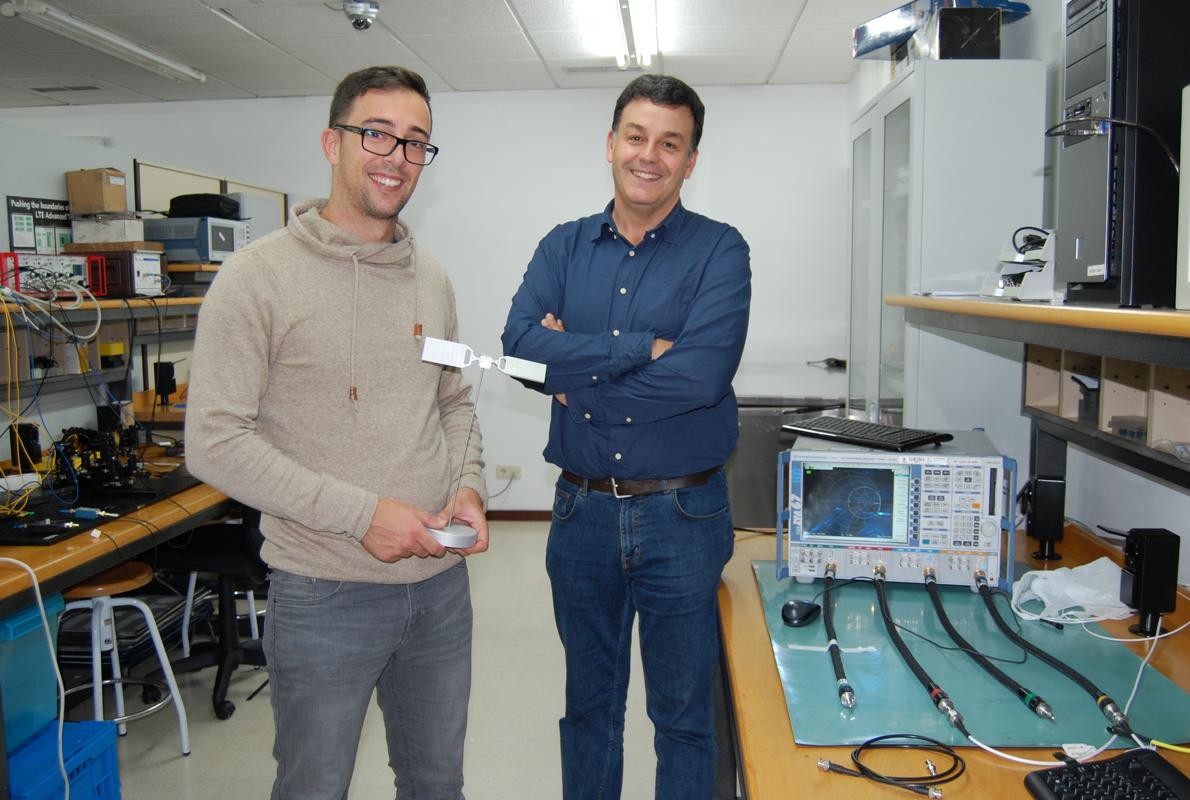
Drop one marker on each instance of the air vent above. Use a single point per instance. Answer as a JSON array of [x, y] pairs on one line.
[[607, 68], [50, 89]]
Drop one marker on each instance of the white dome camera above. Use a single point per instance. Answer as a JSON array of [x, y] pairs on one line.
[[361, 13]]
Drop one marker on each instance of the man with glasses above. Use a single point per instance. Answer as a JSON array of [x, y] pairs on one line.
[[309, 401], [640, 313]]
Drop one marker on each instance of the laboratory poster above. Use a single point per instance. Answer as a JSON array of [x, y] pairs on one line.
[[38, 225]]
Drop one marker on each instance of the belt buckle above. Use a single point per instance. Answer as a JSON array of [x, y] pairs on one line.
[[616, 491]]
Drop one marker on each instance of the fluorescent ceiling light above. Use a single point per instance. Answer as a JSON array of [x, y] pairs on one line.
[[62, 23], [639, 34], [614, 29]]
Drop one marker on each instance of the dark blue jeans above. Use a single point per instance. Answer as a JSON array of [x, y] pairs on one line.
[[660, 557]]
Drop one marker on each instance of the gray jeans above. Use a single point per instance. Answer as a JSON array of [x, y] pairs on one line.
[[329, 644]]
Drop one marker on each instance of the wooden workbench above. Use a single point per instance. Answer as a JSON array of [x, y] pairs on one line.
[[773, 767]]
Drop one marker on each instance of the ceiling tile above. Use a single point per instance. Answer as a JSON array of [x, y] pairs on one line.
[[339, 51], [716, 13], [712, 41], [551, 15], [560, 44], [472, 47], [834, 38], [720, 70], [814, 69], [177, 27], [105, 92], [13, 98], [603, 79], [406, 17], [851, 13], [16, 64], [88, 8], [300, 22], [32, 39], [292, 78], [222, 59], [476, 75]]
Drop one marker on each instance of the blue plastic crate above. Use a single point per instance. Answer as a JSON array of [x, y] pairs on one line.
[[27, 681], [89, 750]]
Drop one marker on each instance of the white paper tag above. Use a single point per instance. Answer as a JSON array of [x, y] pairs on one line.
[[522, 368], [450, 354], [1078, 751]]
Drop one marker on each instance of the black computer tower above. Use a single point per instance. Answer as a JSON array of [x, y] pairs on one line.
[[1118, 191]]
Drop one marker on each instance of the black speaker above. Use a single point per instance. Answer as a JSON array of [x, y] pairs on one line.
[[1149, 579], [163, 379], [25, 442], [1045, 514]]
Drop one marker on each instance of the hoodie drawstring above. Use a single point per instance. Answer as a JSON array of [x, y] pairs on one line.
[[353, 393]]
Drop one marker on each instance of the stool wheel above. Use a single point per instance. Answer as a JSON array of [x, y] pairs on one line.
[[224, 709]]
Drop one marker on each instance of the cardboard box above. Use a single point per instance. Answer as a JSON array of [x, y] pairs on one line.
[[92, 191], [107, 230]]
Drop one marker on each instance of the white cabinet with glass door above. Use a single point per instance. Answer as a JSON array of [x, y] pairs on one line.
[[946, 163]]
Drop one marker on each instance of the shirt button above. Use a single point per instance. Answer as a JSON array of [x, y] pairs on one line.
[[652, 236], [628, 419], [587, 415], [618, 456], [615, 333], [631, 252], [623, 290], [594, 377]]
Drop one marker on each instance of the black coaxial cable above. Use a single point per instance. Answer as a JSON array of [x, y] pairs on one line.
[[1031, 700], [939, 697], [1106, 705], [846, 693]]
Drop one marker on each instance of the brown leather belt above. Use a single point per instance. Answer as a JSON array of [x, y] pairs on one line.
[[635, 487]]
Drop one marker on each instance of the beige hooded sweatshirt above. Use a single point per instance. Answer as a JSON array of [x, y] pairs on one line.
[[308, 398]]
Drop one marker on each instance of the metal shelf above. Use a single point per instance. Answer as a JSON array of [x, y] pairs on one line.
[[1134, 454], [65, 383], [171, 335]]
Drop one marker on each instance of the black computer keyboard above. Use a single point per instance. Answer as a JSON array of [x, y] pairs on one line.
[[1136, 775], [868, 434]]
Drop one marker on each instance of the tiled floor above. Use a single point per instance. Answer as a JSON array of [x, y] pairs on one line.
[[516, 700]]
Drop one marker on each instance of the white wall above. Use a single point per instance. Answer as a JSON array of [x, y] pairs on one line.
[[773, 162]]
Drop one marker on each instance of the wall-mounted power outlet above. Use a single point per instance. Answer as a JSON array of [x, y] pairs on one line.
[[507, 472]]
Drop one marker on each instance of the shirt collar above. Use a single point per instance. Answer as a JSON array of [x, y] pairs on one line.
[[667, 229]]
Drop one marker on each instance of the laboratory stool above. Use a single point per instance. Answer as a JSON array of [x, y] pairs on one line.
[[98, 595]]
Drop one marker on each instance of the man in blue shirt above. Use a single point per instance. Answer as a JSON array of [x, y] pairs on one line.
[[640, 313]]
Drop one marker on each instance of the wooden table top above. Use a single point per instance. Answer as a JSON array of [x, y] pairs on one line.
[[1123, 320], [775, 768], [79, 556]]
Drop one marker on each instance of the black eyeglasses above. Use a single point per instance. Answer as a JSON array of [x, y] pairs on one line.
[[383, 144]]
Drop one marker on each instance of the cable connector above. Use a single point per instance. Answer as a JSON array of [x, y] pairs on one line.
[[824, 764], [1119, 721]]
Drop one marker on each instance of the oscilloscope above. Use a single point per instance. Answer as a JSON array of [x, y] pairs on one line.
[[952, 508]]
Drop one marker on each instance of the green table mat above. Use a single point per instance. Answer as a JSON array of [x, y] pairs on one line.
[[889, 699]]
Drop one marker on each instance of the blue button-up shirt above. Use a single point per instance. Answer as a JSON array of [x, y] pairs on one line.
[[627, 415]]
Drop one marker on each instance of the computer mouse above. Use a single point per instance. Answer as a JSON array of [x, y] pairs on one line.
[[797, 613]]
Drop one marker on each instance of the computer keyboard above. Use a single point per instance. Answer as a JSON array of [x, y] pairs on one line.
[[868, 434], [1136, 775]]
